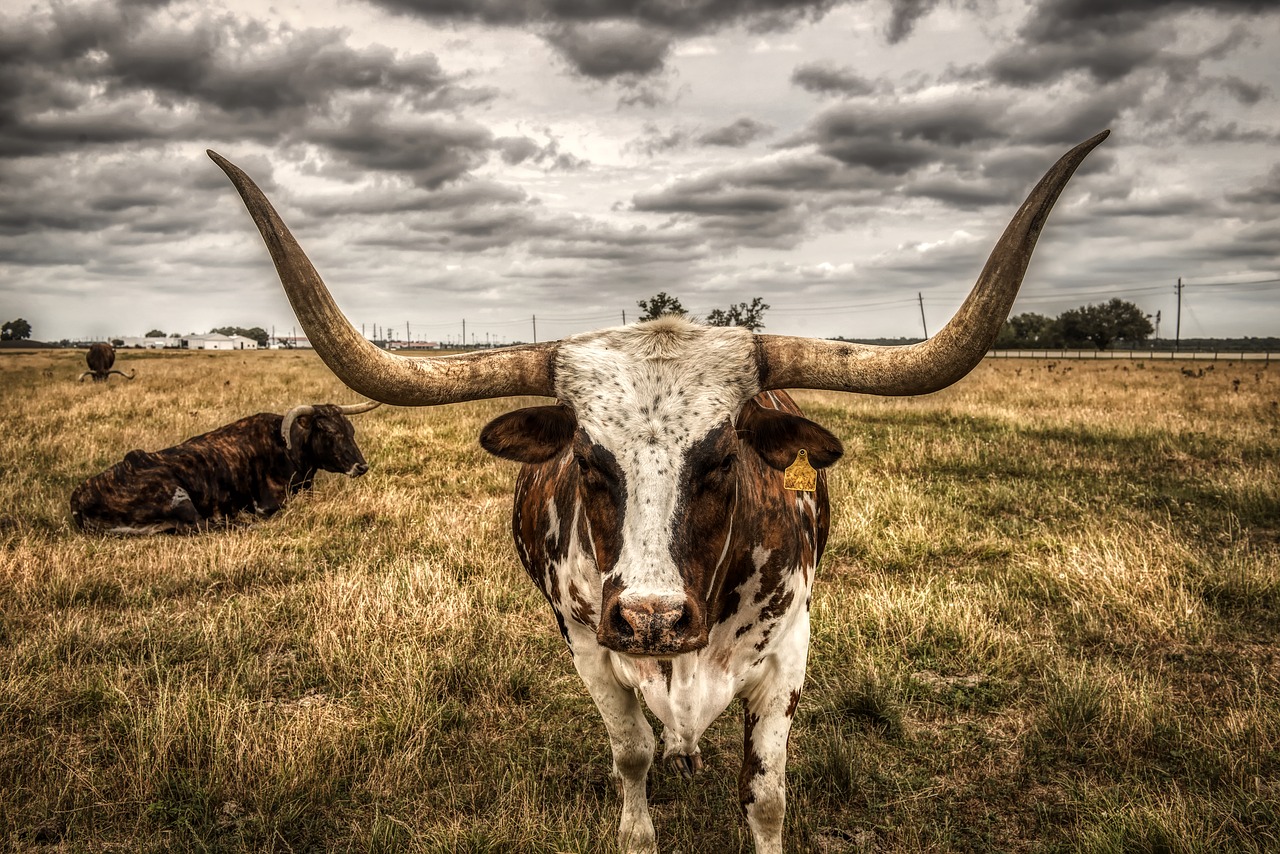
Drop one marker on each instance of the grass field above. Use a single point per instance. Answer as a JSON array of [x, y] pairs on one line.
[[1047, 621]]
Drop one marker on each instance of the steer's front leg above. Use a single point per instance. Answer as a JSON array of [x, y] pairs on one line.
[[767, 711], [631, 739], [762, 782]]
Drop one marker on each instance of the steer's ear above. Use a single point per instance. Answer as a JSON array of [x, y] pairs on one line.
[[778, 436], [531, 435]]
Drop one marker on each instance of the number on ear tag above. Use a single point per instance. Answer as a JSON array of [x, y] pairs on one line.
[[800, 476]]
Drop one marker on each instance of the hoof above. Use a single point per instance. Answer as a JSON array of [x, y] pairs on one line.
[[686, 766]]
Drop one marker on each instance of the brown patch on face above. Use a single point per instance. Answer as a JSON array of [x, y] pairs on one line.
[[601, 487], [708, 482], [769, 517]]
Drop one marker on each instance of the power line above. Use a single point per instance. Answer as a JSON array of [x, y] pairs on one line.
[[824, 309], [1239, 284]]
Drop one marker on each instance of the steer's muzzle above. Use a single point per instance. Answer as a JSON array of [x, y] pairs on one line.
[[357, 469], [653, 625]]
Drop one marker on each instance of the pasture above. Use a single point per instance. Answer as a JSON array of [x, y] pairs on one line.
[[1046, 621]]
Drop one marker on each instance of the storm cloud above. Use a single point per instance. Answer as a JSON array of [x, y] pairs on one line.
[[497, 160]]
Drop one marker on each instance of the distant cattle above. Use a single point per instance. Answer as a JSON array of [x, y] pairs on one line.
[[253, 465], [101, 357]]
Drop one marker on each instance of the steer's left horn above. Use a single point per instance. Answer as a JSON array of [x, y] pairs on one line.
[[128, 376], [358, 408], [790, 362], [368, 369]]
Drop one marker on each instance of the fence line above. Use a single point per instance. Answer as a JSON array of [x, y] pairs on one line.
[[1152, 355]]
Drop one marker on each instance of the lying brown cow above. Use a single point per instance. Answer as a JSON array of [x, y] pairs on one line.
[[254, 464]]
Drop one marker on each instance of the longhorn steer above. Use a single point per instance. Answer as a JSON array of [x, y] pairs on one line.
[[651, 509], [101, 357], [254, 464]]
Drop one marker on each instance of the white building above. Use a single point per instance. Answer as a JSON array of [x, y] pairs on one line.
[[218, 341], [151, 343]]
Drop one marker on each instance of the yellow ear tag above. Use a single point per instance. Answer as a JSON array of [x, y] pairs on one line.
[[800, 476]]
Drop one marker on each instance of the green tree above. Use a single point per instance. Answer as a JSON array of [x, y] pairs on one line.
[[1121, 320], [1103, 324], [659, 304], [750, 315], [1028, 330], [15, 330], [154, 333]]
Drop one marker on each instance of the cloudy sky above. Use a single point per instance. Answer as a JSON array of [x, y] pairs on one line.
[[493, 160]]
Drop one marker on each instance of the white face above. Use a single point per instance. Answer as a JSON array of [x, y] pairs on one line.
[[646, 399]]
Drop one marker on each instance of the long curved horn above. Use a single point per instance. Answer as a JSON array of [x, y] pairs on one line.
[[132, 373], [85, 374], [792, 362], [366, 368], [358, 408], [286, 426]]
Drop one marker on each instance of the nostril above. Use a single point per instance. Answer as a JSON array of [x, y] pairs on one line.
[[684, 622], [621, 625]]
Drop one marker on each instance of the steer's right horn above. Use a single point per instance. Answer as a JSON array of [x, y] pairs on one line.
[[791, 362], [366, 368]]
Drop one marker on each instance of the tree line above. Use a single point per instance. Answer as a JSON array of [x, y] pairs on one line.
[[1098, 326], [1090, 326]]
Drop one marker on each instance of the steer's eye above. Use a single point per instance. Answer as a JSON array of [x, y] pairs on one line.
[[583, 466], [727, 463]]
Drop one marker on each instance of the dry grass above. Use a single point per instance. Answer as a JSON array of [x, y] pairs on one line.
[[1046, 622]]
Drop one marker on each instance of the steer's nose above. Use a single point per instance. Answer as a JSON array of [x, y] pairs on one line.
[[357, 470], [653, 625]]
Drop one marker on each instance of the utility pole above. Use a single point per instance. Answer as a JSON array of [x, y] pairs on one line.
[[535, 329], [406, 333], [624, 317], [464, 333], [1177, 328], [920, 297]]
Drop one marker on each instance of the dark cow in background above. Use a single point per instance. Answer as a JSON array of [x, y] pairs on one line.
[[101, 357], [254, 464]]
